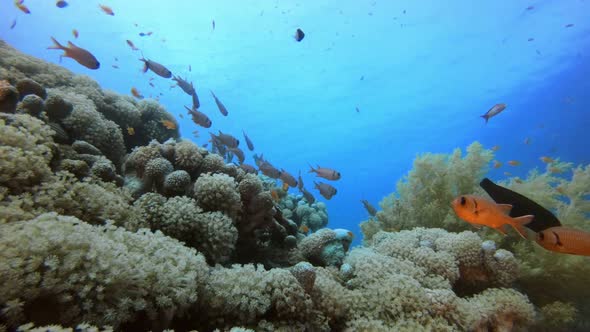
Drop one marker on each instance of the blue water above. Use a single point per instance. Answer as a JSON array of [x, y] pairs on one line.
[[420, 72]]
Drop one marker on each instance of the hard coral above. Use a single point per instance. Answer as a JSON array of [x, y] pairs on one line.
[[8, 98], [217, 192]]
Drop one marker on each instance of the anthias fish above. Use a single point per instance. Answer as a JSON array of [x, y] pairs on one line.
[[79, 54], [479, 211], [107, 10], [565, 240], [495, 110]]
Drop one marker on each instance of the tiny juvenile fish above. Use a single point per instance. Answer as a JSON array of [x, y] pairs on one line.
[[107, 10], [547, 160], [248, 141], [299, 35], [326, 190], [184, 85], [168, 124], [569, 25], [370, 208], [199, 118], [23, 8], [513, 162], [61, 4], [495, 148], [326, 173], [130, 131], [79, 54], [213, 25], [130, 43], [285, 186], [157, 68], [220, 105], [565, 240], [288, 178], [136, 93], [75, 33], [495, 110], [479, 211], [115, 66]]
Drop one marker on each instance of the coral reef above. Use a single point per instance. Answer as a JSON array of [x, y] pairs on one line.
[[296, 208]]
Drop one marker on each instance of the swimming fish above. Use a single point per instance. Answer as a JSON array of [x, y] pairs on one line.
[[75, 33], [299, 35], [530, 39], [23, 8], [495, 148], [326, 173], [157, 68], [220, 105], [521, 205], [196, 102], [238, 153], [527, 141], [269, 170], [136, 93], [513, 162], [184, 85], [285, 186], [300, 182], [304, 229], [547, 160], [308, 196], [370, 208], [115, 66], [479, 211], [143, 34], [326, 190], [228, 140], [507, 174], [81, 55], [130, 131], [497, 164], [569, 25], [288, 178], [248, 141], [107, 10], [495, 110], [248, 168], [213, 25], [61, 4], [152, 84], [168, 124], [565, 240], [199, 118], [357, 109], [189, 68], [13, 24], [130, 43]]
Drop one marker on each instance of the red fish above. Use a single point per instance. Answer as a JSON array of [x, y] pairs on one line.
[[79, 54], [107, 10], [565, 240]]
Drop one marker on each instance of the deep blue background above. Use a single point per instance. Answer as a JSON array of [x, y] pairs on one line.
[[429, 69]]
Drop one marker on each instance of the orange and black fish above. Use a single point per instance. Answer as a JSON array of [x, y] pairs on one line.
[[22, 7], [565, 240], [479, 211], [79, 54], [107, 10], [495, 110]]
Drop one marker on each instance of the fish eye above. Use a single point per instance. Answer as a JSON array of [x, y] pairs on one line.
[[463, 200]]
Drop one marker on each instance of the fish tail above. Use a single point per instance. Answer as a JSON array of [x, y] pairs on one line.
[[519, 222], [56, 45], [311, 169], [485, 117]]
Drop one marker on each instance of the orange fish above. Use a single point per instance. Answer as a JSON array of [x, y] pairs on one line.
[[22, 7], [565, 240], [75, 33], [556, 170], [547, 160], [79, 54], [274, 195], [285, 186], [130, 43], [168, 124], [479, 211], [513, 162], [130, 131], [497, 164], [495, 148], [136, 93], [304, 229], [107, 10]]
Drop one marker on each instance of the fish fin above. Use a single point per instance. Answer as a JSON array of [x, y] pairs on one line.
[[485, 117], [505, 208], [71, 45], [519, 222], [145, 66], [311, 169], [56, 45]]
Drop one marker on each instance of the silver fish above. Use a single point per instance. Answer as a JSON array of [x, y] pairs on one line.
[[326, 173], [495, 110], [220, 105], [248, 141]]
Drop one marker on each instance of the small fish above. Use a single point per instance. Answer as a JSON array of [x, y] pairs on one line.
[[513, 162], [195, 132], [370, 208], [220, 105], [238, 153], [275, 195], [304, 229], [228, 140], [22, 7], [547, 160], [507, 174], [136, 93], [61, 4], [130, 43], [285, 186], [144, 34], [538, 52], [497, 164], [168, 124], [556, 170], [184, 85], [479, 211], [130, 131], [530, 8], [13, 24], [189, 68], [199, 118], [299, 35], [213, 25], [269, 170], [300, 182], [195, 98], [527, 141], [326, 173], [569, 25], [152, 84], [107, 10], [326, 190], [116, 59], [248, 169], [288, 178], [248, 141], [519, 181], [530, 39], [495, 148], [75, 33], [362, 78], [357, 110], [157, 68], [565, 240], [495, 110], [308, 196], [115, 66], [81, 55], [181, 116]]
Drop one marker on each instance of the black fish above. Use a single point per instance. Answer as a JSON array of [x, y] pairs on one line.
[[521, 206], [299, 35]]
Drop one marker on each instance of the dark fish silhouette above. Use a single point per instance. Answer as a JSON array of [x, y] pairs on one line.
[[521, 206], [299, 35]]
